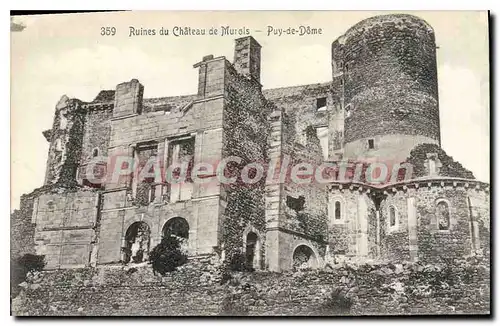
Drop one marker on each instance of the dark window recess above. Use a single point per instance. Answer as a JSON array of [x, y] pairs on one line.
[[392, 216], [250, 249], [371, 144], [346, 68], [338, 213], [181, 151], [297, 204], [176, 226], [145, 191], [95, 153], [341, 81], [321, 104], [443, 213]]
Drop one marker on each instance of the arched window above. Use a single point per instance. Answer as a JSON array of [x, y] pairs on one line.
[[177, 227], [443, 215], [304, 257], [95, 152], [392, 218], [136, 243], [338, 210]]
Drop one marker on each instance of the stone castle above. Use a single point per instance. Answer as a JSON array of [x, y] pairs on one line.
[[381, 105]]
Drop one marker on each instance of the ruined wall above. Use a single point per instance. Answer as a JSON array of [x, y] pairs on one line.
[[462, 239], [97, 131], [354, 234], [194, 289], [299, 103], [394, 241], [66, 139], [301, 116], [65, 227], [418, 236], [161, 122], [115, 223], [246, 132], [22, 229], [390, 84]]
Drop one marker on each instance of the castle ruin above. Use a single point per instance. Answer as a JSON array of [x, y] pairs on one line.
[[381, 105]]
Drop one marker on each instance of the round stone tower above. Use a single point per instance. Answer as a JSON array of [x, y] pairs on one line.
[[385, 68]]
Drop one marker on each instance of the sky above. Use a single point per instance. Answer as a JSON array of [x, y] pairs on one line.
[[56, 55]]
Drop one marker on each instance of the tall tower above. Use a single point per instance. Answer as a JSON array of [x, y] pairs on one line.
[[387, 67]]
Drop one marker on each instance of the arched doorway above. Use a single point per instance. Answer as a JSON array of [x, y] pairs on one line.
[[137, 240], [177, 227], [304, 257], [251, 250]]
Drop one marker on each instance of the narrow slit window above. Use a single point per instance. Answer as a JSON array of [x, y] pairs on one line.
[[371, 144], [392, 217], [338, 212], [443, 214]]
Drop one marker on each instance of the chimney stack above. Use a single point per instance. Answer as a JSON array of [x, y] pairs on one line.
[[247, 57]]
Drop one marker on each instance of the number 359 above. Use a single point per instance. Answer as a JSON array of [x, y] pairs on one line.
[[108, 31]]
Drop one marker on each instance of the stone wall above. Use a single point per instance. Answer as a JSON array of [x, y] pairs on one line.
[[65, 142], [354, 234], [22, 229], [299, 119], [97, 131], [197, 288], [65, 225], [162, 121], [417, 235], [246, 131]]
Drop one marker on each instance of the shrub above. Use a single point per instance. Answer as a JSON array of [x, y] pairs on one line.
[[32, 263], [337, 303], [20, 267], [167, 255], [238, 263]]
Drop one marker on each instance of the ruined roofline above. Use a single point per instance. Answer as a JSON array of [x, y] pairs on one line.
[[291, 90], [423, 182], [158, 103]]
